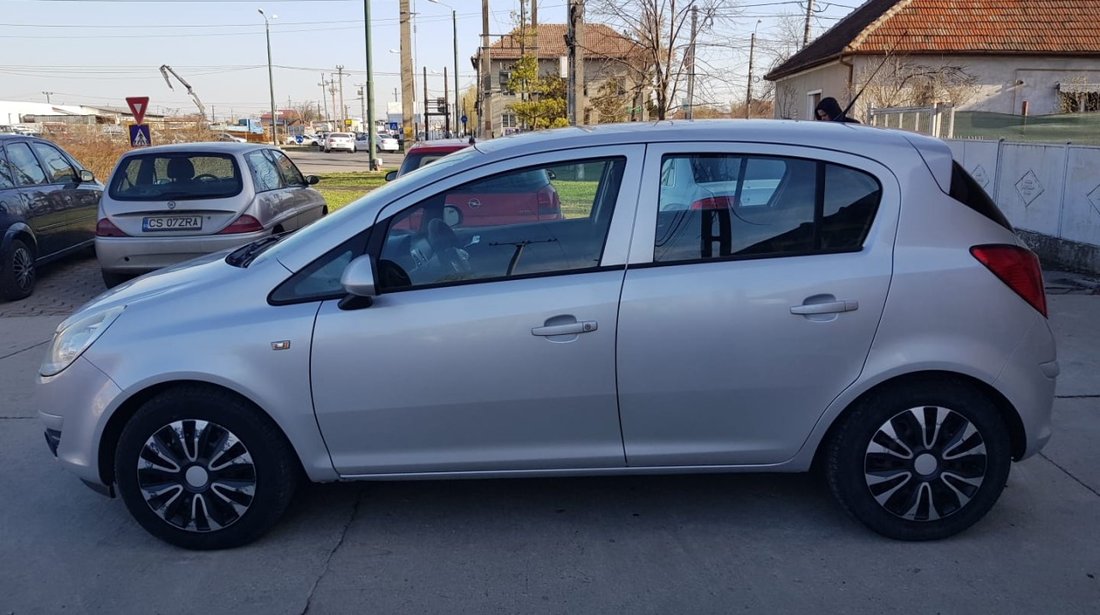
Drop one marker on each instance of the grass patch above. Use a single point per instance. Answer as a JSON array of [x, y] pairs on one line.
[[342, 188], [576, 197]]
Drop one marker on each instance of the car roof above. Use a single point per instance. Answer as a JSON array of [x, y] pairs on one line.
[[201, 147], [442, 146]]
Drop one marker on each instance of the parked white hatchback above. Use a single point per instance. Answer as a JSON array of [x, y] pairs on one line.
[[171, 203], [820, 294], [340, 141]]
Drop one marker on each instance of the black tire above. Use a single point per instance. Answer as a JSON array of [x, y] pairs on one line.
[[236, 449], [17, 272], [910, 490], [111, 280]]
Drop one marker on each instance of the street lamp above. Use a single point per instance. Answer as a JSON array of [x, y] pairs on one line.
[[454, 26], [270, 79]]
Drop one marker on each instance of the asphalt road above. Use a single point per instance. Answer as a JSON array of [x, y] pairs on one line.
[[313, 160], [702, 544]]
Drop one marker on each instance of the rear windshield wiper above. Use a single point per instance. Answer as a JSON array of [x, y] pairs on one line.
[[245, 254]]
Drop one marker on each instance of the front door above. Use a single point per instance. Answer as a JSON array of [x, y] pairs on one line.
[[756, 301], [44, 204], [489, 348]]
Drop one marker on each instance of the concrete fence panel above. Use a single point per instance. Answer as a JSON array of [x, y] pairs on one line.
[[1029, 185], [1080, 220]]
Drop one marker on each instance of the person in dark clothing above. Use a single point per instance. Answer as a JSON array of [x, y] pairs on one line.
[[828, 110]]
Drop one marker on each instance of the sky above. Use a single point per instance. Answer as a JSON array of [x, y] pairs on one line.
[[98, 52]]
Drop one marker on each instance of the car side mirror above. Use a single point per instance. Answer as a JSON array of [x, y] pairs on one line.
[[86, 176], [358, 281], [311, 180], [392, 175]]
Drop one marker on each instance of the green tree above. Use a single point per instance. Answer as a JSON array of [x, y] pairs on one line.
[[542, 96]]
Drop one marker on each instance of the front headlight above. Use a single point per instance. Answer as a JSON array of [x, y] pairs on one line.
[[74, 338]]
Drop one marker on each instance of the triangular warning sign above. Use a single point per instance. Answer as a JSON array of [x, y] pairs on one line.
[[138, 106]]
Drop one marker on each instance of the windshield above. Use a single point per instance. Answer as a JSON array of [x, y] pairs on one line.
[[177, 176], [377, 198]]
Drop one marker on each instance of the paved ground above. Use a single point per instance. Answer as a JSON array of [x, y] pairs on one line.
[[312, 160], [709, 544]]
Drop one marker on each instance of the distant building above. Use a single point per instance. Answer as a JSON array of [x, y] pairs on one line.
[[609, 72], [988, 55], [14, 113]]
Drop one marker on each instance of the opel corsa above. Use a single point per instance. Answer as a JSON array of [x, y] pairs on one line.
[[715, 297]]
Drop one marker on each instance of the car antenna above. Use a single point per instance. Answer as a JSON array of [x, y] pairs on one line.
[[872, 77]]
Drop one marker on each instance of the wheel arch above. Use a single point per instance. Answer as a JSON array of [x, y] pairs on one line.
[[1008, 412], [112, 430], [21, 231]]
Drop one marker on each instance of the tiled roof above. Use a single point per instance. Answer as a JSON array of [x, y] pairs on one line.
[[599, 39], [992, 27]]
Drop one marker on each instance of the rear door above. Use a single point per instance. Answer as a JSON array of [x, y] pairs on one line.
[[305, 204], [745, 313], [43, 202]]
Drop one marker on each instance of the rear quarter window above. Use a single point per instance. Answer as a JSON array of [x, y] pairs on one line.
[[968, 192]]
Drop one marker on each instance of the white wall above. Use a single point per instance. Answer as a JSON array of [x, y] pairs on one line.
[[1049, 189]]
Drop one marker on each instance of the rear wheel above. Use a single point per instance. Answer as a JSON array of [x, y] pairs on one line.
[[17, 272], [202, 469], [920, 462]]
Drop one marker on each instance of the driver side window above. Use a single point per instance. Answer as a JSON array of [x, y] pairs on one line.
[[537, 220]]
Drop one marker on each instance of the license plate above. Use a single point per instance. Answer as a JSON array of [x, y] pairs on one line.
[[172, 223]]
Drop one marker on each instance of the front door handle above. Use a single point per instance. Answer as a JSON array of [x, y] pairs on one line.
[[572, 328], [832, 307]]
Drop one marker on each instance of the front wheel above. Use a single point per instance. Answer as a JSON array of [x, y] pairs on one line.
[[920, 462], [201, 468], [17, 273]]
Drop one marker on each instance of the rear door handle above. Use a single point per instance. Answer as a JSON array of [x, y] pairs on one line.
[[572, 328], [832, 307]]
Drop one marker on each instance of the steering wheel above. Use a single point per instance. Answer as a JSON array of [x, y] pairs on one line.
[[206, 177], [444, 243]]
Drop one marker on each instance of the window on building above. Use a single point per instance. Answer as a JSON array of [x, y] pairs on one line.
[[508, 120], [506, 82]]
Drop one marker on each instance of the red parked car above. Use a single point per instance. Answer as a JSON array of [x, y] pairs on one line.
[[507, 199]]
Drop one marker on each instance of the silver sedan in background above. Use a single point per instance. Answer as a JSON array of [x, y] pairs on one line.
[[167, 204], [727, 296]]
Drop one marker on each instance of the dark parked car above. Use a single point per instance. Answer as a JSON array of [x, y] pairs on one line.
[[47, 209]]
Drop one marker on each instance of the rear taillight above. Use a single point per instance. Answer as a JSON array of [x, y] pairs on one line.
[[1018, 268], [549, 205], [106, 228], [244, 224], [713, 202]]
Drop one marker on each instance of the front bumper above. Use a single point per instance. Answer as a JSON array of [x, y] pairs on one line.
[[73, 406], [143, 254]]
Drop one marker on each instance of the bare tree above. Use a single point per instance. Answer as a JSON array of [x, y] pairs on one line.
[[902, 82], [662, 31]]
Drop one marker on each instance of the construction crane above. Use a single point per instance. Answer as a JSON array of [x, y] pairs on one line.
[[165, 69]]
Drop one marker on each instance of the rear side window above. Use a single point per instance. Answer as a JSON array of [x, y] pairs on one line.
[[727, 206], [176, 176], [24, 166], [968, 192], [6, 180], [264, 172]]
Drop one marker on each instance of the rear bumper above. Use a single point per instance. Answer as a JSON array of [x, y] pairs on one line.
[[144, 254]]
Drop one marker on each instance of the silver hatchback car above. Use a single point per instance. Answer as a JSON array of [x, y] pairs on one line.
[[824, 295], [167, 204]]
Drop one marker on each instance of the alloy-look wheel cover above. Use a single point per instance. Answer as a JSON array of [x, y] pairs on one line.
[[22, 264], [925, 463], [196, 475]]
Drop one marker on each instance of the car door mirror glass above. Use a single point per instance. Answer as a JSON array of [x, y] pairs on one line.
[[86, 176], [392, 175], [358, 277], [312, 180]]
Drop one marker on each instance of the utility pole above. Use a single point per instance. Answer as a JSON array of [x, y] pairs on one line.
[[407, 94], [485, 77], [368, 115], [809, 14], [335, 112], [343, 108], [575, 40], [446, 103], [48, 94], [270, 81], [748, 89], [427, 132], [690, 112], [324, 99]]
